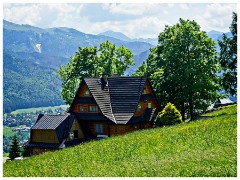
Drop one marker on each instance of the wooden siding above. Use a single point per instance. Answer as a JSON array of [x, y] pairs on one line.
[[76, 126], [148, 88], [123, 129], [76, 108], [92, 127], [82, 90], [144, 105], [44, 135]]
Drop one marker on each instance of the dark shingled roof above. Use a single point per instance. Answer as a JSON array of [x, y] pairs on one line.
[[125, 93], [49, 121], [117, 101], [61, 124], [148, 116], [102, 97]]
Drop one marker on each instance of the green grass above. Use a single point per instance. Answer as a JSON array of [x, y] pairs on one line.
[[206, 147], [33, 110], [7, 131]]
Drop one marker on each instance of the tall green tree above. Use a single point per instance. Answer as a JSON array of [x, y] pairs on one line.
[[15, 148], [93, 62], [228, 58], [183, 67]]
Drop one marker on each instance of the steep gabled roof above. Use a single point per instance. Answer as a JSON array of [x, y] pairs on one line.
[[49, 121], [125, 93], [119, 99], [101, 96]]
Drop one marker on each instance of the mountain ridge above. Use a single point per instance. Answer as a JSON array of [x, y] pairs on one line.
[[52, 47]]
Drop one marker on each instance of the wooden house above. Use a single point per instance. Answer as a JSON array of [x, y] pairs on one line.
[[115, 105], [102, 106]]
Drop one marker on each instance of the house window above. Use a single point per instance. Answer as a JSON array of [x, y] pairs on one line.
[[144, 90], [149, 105], [93, 108], [87, 93], [98, 128], [71, 135], [75, 132], [81, 108], [139, 107]]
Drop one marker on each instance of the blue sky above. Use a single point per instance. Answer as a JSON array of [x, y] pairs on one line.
[[134, 20]]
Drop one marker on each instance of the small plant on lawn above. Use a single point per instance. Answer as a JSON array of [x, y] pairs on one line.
[[14, 149], [169, 116]]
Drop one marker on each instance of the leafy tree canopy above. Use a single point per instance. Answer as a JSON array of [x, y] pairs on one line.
[[93, 62], [228, 58], [183, 67]]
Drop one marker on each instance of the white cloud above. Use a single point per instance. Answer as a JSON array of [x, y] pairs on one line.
[[43, 14], [134, 20], [135, 9], [216, 17], [146, 27], [184, 6]]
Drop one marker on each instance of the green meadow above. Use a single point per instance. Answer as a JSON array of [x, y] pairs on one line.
[[206, 147]]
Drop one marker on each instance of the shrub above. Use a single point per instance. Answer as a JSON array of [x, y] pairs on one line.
[[169, 116]]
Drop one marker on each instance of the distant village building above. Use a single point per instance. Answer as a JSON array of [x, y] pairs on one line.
[[102, 107]]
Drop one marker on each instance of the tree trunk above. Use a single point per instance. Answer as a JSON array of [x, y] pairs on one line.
[[183, 111], [191, 109]]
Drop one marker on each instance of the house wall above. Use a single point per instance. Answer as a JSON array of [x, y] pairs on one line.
[[144, 105], [123, 129], [44, 135], [82, 90], [92, 127], [76, 126], [76, 108]]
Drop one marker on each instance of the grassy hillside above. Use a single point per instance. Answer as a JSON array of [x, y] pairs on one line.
[[207, 147]]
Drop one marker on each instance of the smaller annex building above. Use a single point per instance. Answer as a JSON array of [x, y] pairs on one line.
[[102, 106]]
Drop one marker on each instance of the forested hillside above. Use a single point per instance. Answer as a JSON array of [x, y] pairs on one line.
[[27, 84], [32, 55]]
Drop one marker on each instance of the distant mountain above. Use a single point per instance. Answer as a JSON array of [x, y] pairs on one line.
[[123, 37], [46, 50], [216, 36], [117, 35], [42, 51]]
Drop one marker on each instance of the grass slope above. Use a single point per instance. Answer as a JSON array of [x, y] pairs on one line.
[[33, 110], [207, 147]]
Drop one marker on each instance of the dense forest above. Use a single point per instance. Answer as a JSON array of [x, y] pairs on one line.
[[27, 84]]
